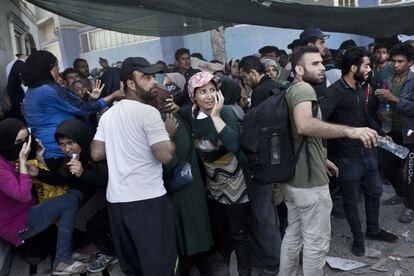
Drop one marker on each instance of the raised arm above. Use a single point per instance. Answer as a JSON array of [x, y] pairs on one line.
[[307, 125]]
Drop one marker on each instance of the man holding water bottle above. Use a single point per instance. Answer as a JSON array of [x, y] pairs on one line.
[[358, 166], [400, 96]]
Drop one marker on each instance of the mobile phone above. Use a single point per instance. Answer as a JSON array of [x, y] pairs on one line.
[[75, 156]]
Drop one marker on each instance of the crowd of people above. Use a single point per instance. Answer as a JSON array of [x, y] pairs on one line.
[[146, 164]]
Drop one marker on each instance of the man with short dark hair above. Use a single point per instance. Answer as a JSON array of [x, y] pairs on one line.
[[307, 193], [82, 68], [315, 37], [382, 69], [70, 75], [183, 59], [135, 141], [263, 224], [401, 98], [253, 73], [345, 104], [271, 52]]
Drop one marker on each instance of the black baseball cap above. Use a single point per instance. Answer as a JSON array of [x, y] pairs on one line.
[[140, 64], [310, 33]]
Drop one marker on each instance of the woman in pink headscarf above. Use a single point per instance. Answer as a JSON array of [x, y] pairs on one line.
[[215, 132]]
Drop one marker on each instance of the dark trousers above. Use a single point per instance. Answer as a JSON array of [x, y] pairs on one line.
[[230, 231], [144, 236], [264, 232], [392, 166], [98, 231], [356, 174]]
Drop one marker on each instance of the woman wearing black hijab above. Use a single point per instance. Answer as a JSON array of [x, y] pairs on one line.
[[47, 104], [20, 217], [79, 172]]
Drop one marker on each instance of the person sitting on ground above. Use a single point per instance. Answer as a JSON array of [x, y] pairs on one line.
[[20, 217], [79, 172]]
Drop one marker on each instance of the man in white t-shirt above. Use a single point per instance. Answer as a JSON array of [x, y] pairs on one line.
[[135, 141]]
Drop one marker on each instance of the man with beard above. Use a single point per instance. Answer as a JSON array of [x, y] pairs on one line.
[[315, 37], [382, 69], [135, 141], [82, 68], [358, 166], [307, 193]]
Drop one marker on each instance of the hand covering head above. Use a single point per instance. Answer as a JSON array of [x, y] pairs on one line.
[[36, 71]]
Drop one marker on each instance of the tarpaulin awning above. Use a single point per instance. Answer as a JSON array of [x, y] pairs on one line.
[[180, 17]]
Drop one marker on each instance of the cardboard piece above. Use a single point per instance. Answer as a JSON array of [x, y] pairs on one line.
[[343, 264]]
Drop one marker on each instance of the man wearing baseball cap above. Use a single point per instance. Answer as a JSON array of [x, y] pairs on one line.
[[315, 37], [134, 140]]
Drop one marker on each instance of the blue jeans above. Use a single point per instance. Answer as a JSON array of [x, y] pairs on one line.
[[63, 209], [360, 173]]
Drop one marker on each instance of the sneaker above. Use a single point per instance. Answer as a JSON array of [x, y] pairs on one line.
[[102, 262], [394, 200], [407, 216], [68, 269], [83, 258], [358, 248], [382, 235]]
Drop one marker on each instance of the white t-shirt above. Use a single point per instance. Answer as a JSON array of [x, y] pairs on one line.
[[129, 129]]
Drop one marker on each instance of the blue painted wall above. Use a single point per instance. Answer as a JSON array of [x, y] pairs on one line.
[[241, 40], [69, 44]]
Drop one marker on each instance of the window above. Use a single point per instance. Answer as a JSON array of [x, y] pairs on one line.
[[101, 39], [391, 2], [346, 3], [18, 41]]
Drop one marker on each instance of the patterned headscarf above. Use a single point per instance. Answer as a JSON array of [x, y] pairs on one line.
[[270, 62], [199, 80]]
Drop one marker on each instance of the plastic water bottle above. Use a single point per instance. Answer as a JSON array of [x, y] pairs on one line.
[[392, 147], [387, 119]]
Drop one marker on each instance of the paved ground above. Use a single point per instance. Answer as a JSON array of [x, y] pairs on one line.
[[342, 241], [340, 247]]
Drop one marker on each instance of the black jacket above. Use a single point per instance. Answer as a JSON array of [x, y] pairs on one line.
[[263, 90], [346, 106], [15, 90]]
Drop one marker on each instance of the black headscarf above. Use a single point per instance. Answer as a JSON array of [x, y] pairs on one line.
[[37, 68], [76, 130], [9, 128]]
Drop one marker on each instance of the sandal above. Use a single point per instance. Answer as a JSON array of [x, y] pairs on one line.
[[68, 269]]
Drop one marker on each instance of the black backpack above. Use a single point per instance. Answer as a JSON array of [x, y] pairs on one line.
[[267, 140]]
